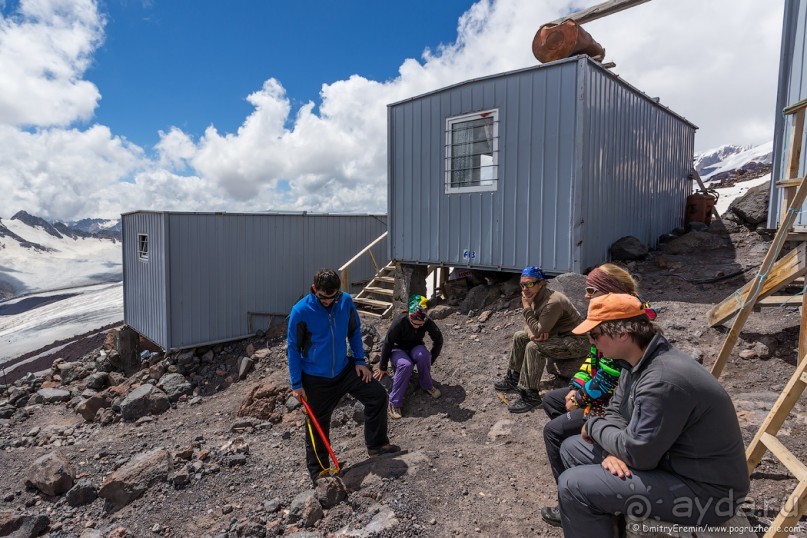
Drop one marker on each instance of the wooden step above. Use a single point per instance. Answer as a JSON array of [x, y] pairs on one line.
[[380, 291], [387, 279], [371, 314], [371, 302]]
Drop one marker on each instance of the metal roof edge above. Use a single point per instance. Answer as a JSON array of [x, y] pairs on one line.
[[256, 213], [551, 64], [486, 77]]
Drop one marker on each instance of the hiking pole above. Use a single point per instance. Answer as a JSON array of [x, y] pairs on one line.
[[312, 419]]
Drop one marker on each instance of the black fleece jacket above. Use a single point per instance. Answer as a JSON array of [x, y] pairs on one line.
[[404, 336]]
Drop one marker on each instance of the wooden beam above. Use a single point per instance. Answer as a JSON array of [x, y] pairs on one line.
[[774, 301], [794, 107], [789, 268], [793, 159], [776, 417], [759, 280], [600, 10]]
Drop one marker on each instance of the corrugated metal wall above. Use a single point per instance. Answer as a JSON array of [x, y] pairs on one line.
[[145, 306], [792, 89], [583, 158], [528, 220], [224, 266], [635, 163]]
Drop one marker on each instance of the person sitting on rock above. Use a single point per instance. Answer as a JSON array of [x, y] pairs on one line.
[[591, 387], [550, 318], [404, 345], [669, 446]]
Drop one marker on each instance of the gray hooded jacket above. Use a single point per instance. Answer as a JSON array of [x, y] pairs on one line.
[[668, 412]]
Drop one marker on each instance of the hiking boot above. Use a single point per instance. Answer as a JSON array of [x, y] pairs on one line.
[[508, 383], [434, 392], [394, 412], [386, 449], [529, 399], [551, 514]]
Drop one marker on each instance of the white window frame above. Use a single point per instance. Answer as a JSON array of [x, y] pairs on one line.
[[494, 185], [143, 247]]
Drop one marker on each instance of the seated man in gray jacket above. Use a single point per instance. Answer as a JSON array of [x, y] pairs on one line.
[[669, 445]]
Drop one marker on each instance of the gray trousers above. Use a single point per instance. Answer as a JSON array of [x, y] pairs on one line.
[[591, 497], [564, 354]]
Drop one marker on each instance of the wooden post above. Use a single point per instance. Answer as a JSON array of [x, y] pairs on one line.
[[600, 10]]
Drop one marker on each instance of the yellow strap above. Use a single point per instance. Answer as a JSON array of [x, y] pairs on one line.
[[328, 470]]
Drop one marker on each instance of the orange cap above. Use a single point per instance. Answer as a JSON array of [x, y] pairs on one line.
[[609, 307]]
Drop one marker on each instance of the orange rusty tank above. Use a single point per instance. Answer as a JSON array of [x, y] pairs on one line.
[[557, 41], [699, 208]]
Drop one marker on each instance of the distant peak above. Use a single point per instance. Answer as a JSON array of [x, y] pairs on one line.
[[33, 221]]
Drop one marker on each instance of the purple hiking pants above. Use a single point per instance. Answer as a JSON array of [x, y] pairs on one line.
[[403, 363]]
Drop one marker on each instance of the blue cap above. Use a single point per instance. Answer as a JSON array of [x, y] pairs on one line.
[[533, 271]]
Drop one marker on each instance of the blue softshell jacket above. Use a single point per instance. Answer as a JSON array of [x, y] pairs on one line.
[[318, 338]]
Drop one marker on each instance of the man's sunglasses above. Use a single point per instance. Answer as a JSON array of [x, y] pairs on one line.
[[595, 336], [590, 290], [331, 297], [529, 285]]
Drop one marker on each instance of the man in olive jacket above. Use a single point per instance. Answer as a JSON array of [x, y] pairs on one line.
[[669, 445], [549, 318]]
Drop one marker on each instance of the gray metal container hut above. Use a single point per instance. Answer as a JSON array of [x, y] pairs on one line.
[[191, 279], [792, 88], [547, 166]]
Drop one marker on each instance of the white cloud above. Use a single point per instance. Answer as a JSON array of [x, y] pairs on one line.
[[44, 51], [696, 56]]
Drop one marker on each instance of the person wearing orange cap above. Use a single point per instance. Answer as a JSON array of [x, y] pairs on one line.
[[669, 445], [591, 387]]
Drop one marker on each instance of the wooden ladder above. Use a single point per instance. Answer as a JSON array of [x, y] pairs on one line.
[[375, 299], [765, 439], [771, 277]]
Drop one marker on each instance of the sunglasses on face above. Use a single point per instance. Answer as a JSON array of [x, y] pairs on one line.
[[323, 297], [528, 285], [595, 335], [590, 290]]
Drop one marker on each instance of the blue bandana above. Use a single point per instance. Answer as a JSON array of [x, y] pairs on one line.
[[533, 271]]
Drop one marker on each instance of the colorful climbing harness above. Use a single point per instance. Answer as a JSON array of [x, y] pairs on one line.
[[310, 418]]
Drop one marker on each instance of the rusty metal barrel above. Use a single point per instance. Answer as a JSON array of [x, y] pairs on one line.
[[557, 41], [699, 208]]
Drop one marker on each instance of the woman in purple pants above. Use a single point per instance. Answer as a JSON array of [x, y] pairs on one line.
[[404, 345]]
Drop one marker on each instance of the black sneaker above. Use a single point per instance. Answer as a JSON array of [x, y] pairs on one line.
[[508, 383], [528, 400], [386, 449], [551, 514]]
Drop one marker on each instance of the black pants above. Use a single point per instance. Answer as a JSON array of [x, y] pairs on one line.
[[323, 396], [562, 424]]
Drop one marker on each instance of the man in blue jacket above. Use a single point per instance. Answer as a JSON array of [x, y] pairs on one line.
[[321, 372]]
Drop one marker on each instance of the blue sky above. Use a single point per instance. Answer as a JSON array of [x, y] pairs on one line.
[[190, 63], [110, 106]]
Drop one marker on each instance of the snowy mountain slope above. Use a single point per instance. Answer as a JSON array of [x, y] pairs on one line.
[[729, 157], [29, 323], [35, 256]]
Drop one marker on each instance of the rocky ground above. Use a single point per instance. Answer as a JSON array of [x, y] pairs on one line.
[[208, 442]]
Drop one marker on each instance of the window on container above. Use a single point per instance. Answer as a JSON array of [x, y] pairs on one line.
[[143, 247], [472, 152]]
